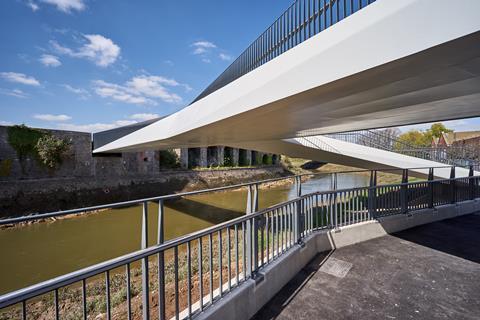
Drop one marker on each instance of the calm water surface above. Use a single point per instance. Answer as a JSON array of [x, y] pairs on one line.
[[42, 251]]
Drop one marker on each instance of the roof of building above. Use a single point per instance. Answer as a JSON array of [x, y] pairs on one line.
[[451, 137]]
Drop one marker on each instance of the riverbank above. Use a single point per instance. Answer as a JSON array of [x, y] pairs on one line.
[[24, 197]]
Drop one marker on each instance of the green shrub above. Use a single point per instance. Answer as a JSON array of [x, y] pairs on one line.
[[267, 159], [169, 159], [51, 150]]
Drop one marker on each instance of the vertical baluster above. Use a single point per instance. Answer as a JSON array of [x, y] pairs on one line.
[[55, 297], [189, 280], [280, 212], [84, 299], [200, 272], [229, 261], [338, 10], [129, 295], [107, 291], [244, 252], [145, 283], [309, 21], [277, 231], [262, 239], [161, 261], [24, 310], [177, 305], [236, 254], [220, 265], [210, 258], [267, 231]]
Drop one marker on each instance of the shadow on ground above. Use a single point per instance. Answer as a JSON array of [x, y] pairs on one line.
[[427, 272], [459, 236]]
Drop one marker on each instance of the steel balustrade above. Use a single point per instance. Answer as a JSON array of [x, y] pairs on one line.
[[301, 21], [276, 229], [462, 157]]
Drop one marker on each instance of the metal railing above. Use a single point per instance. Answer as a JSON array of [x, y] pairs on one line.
[[183, 276], [301, 21], [380, 140]]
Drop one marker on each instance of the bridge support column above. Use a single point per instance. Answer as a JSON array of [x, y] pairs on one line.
[[203, 157], [221, 155], [183, 158], [235, 156], [248, 157]]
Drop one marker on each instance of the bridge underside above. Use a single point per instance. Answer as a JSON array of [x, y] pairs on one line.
[[370, 70], [393, 63]]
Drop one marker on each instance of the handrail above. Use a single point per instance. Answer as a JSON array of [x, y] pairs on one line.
[[121, 204], [301, 21], [30, 292]]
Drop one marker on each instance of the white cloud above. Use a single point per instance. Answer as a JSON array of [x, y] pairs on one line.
[[98, 49], [202, 47], [82, 93], [225, 57], [49, 60], [95, 127], [5, 123], [144, 116], [52, 117], [33, 5], [67, 5], [14, 93], [19, 78], [143, 89], [206, 60]]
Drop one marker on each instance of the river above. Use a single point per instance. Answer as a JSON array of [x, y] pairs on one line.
[[41, 251]]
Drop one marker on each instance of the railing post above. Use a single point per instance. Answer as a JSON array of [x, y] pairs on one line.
[[145, 284], [453, 185], [252, 231], [298, 186], [430, 188], [372, 194], [299, 220], [404, 191], [471, 183], [161, 262]]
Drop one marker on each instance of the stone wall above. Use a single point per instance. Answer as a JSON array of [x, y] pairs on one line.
[[83, 179], [79, 161]]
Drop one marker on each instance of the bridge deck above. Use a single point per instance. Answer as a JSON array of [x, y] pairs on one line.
[[429, 272]]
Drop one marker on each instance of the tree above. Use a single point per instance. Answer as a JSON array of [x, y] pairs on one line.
[[436, 130], [419, 139], [412, 138]]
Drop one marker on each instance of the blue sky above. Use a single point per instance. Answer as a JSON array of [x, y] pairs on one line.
[[91, 65]]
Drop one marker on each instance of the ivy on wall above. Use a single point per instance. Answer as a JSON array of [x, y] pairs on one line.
[[24, 140], [47, 149]]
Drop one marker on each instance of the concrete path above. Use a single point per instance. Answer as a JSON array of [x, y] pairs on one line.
[[429, 272]]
